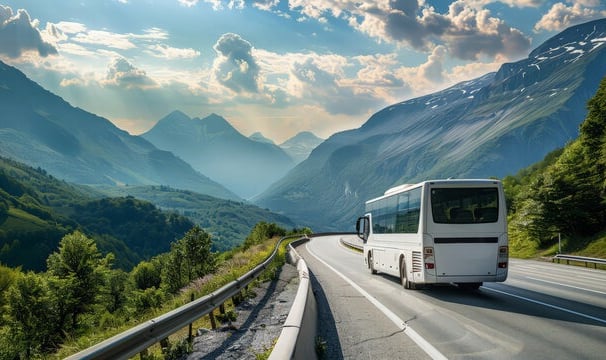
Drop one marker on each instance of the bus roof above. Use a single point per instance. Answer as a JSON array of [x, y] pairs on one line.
[[400, 188]]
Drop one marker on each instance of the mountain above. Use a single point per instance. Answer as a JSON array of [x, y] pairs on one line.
[[213, 147], [40, 129], [261, 138], [490, 126], [301, 145]]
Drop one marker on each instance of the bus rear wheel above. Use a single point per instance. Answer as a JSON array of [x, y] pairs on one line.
[[403, 278]]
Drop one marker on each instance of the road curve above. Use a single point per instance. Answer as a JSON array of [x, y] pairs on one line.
[[542, 311]]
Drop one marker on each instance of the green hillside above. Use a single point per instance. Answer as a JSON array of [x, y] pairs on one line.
[[229, 222], [564, 194], [37, 210]]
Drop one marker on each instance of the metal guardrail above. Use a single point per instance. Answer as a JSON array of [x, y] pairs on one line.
[[139, 338], [586, 260]]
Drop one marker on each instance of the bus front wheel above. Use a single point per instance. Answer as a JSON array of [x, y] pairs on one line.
[[370, 264]]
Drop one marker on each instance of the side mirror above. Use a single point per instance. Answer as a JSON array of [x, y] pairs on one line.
[[363, 228]]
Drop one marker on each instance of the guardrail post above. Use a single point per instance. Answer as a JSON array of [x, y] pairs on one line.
[[190, 338], [213, 323]]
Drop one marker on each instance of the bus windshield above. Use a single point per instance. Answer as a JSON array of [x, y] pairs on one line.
[[465, 205]]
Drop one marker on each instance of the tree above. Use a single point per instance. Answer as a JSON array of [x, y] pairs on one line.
[[189, 258], [261, 232], [79, 264], [146, 275], [30, 318], [199, 260]]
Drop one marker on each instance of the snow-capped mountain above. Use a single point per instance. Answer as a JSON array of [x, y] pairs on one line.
[[490, 126]]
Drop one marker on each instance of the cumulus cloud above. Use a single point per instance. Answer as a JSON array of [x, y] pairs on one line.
[[467, 30], [235, 67], [19, 34], [561, 16], [323, 87], [123, 74], [433, 70]]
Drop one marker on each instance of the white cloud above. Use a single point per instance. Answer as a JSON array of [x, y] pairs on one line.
[[433, 69], [20, 34], [104, 38], [123, 74], [561, 16], [188, 3], [235, 67], [167, 52], [217, 4], [468, 30]]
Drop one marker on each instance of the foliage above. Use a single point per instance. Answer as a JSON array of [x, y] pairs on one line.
[[30, 320], [147, 274], [37, 210], [79, 264], [564, 194], [189, 258], [228, 221], [263, 231]]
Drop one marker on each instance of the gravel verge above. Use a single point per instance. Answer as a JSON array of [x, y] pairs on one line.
[[258, 324]]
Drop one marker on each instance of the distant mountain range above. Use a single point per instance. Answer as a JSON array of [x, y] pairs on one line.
[[40, 129], [213, 147], [301, 145], [297, 147], [490, 126]]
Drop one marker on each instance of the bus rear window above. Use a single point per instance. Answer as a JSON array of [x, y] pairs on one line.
[[465, 205]]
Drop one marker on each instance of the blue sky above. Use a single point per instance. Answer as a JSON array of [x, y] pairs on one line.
[[274, 66]]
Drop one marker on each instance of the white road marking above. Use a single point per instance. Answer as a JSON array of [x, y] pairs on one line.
[[401, 324], [570, 286], [547, 305]]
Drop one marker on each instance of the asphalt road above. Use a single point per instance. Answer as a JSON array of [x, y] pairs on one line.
[[542, 311]]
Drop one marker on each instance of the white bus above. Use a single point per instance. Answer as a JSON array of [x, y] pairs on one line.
[[438, 231]]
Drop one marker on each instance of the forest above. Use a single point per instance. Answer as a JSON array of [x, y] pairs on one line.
[[82, 294], [564, 195]]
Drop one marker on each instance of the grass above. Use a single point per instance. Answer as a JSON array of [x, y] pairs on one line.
[[594, 246]]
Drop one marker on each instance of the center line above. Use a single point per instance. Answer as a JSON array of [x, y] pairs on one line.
[[570, 286], [548, 305]]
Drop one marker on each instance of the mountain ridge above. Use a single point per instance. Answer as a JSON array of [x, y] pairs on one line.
[[493, 125], [39, 128]]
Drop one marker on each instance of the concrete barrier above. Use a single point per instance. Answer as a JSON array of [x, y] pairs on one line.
[[298, 337]]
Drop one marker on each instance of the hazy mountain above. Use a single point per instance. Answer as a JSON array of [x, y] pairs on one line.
[[261, 138], [40, 129], [490, 126], [212, 146], [301, 145]]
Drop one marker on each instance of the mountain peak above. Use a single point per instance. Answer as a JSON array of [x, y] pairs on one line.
[[259, 137], [214, 123]]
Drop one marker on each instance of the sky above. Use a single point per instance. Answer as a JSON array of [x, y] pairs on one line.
[[277, 67]]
